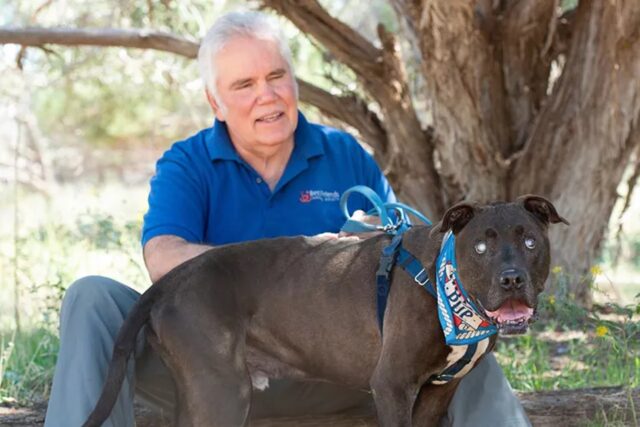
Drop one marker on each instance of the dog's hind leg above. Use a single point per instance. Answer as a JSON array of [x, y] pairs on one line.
[[216, 393], [205, 352]]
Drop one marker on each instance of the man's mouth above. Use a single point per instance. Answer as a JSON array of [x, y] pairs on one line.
[[270, 118], [512, 317]]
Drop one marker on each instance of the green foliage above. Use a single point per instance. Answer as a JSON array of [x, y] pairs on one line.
[[27, 358], [27, 361], [115, 96], [571, 347], [62, 249], [112, 96]]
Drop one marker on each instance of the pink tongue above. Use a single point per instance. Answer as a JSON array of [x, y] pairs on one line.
[[511, 310]]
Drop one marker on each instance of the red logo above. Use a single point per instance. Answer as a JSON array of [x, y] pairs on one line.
[[305, 197]]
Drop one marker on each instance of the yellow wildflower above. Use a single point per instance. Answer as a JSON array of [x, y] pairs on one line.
[[557, 269], [602, 331], [596, 270], [552, 299]]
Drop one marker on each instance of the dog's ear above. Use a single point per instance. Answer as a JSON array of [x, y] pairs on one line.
[[542, 209], [456, 217]]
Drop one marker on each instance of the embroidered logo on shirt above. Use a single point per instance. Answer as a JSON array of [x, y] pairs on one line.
[[308, 196]]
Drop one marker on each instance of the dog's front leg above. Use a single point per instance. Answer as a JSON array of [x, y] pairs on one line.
[[394, 399], [432, 403]]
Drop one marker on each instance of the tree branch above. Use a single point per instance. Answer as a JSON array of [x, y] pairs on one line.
[[349, 109], [141, 39], [346, 44], [382, 74]]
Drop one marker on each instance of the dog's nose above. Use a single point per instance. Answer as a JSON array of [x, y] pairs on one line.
[[512, 279]]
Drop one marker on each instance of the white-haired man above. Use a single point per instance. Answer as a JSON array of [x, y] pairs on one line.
[[261, 171]]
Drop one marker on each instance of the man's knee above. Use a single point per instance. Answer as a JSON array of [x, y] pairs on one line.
[[93, 295], [89, 288]]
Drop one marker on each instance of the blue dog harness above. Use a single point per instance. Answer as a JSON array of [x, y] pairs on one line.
[[464, 328]]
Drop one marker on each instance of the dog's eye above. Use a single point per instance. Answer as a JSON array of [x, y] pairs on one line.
[[530, 242], [481, 247]]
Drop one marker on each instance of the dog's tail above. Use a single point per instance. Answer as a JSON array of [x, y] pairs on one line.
[[123, 347]]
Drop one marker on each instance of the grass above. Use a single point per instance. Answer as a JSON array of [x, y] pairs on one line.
[[553, 360], [27, 360], [575, 348]]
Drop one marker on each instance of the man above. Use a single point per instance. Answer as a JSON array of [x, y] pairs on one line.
[[261, 171]]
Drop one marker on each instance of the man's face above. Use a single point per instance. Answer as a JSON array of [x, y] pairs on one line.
[[257, 93]]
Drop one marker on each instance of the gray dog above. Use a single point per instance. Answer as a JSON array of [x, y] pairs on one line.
[[305, 308]]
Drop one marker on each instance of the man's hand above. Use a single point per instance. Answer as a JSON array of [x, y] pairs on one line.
[[362, 216], [163, 253]]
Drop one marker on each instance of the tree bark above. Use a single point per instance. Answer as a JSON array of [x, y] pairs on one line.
[[566, 408], [582, 140]]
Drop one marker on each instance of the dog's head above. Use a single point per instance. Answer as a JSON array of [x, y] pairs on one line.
[[502, 252]]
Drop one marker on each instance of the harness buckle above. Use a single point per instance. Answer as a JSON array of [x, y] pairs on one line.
[[422, 278], [391, 228], [385, 266]]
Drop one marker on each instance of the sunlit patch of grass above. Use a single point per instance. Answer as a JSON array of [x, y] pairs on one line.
[[574, 348], [27, 361]]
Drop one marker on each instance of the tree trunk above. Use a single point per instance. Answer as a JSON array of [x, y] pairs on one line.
[[503, 124], [581, 142]]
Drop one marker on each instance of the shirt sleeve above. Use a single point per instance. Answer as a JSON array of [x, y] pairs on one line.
[[177, 199]]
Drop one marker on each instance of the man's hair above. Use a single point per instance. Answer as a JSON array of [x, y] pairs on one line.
[[250, 24]]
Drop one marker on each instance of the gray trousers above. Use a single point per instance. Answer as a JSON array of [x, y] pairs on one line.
[[92, 311]]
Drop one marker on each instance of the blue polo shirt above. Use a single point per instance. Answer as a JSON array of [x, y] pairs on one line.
[[205, 193]]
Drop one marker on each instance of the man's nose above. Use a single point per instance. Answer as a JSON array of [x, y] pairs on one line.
[[266, 92]]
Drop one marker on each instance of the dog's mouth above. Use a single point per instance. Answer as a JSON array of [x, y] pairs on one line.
[[512, 317]]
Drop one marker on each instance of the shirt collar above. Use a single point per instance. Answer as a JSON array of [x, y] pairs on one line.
[[307, 141]]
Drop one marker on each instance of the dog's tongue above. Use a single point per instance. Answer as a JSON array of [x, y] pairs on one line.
[[511, 310]]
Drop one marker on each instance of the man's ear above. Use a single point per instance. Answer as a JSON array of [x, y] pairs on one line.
[[541, 208], [457, 217], [214, 105]]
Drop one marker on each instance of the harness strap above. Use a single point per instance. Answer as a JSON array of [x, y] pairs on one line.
[[383, 276], [452, 370], [392, 254], [414, 268]]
